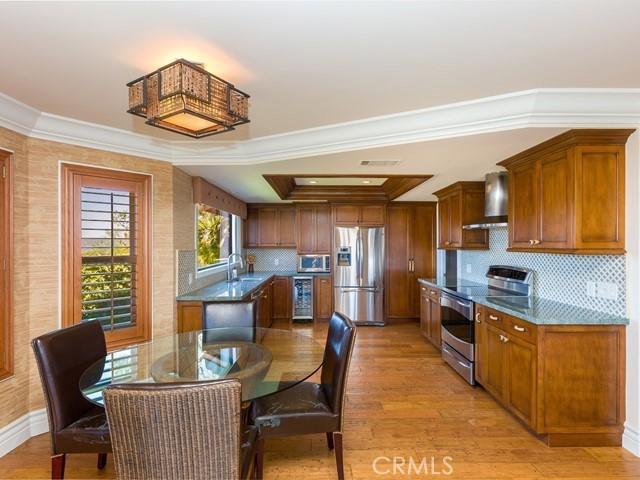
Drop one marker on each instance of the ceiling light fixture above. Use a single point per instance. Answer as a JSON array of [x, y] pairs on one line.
[[313, 182], [184, 98], [366, 181]]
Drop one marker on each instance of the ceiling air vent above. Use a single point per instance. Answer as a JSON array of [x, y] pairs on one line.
[[379, 163]]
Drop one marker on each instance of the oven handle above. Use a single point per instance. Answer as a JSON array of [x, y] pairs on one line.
[[460, 306]]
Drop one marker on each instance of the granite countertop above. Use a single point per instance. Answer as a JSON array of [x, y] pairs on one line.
[[537, 310], [236, 291]]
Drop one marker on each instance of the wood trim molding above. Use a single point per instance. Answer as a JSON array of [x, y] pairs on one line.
[[6, 296], [571, 138], [395, 185], [545, 107], [215, 197], [70, 238]]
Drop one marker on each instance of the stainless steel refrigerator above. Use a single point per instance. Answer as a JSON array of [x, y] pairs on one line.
[[358, 275]]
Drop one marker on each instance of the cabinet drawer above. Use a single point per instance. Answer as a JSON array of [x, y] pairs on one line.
[[496, 319], [521, 328]]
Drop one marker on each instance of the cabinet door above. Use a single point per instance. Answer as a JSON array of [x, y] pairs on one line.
[[281, 305], [400, 284], [323, 297], [268, 226], [444, 222], [372, 215], [423, 246], [434, 321], [425, 312], [521, 379], [287, 227], [524, 211], [556, 180], [306, 230], [455, 220], [347, 214], [482, 351], [189, 316], [252, 237], [323, 230], [600, 197], [496, 364]]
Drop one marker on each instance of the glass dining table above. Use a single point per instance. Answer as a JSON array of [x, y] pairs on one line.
[[264, 360]]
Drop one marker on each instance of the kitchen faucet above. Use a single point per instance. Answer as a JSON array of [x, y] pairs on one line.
[[232, 276]]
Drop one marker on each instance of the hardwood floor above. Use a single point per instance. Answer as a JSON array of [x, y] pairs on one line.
[[402, 402]]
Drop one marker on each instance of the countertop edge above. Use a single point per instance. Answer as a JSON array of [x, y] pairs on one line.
[[606, 319]]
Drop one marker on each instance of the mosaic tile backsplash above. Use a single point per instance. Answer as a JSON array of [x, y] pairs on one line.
[[562, 278], [188, 281], [266, 258]]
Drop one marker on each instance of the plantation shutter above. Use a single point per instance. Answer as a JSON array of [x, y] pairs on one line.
[[109, 266]]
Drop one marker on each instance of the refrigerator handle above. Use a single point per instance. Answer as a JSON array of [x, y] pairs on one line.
[[359, 256]]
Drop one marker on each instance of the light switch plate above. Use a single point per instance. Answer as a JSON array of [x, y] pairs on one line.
[[468, 268], [190, 278], [591, 289], [276, 261]]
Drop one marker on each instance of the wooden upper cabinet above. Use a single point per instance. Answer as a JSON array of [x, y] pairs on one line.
[[566, 195], [359, 214], [313, 229], [251, 235], [270, 226], [460, 204], [287, 227]]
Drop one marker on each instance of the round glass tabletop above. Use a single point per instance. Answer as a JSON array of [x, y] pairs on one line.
[[264, 360]]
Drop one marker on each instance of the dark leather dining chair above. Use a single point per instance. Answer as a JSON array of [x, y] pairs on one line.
[[193, 429], [228, 315], [75, 424], [312, 407]]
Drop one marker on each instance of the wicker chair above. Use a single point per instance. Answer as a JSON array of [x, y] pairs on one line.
[[179, 431]]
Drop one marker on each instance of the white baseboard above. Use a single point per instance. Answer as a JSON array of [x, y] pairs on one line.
[[631, 440], [20, 430]]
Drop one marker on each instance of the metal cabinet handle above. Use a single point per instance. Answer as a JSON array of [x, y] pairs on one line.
[[433, 293], [493, 317], [424, 289], [519, 328], [478, 317], [505, 339]]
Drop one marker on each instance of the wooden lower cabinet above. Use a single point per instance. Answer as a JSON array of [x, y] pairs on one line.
[[281, 308], [430, 325], [189, 316], [322, 297], [565, 382]]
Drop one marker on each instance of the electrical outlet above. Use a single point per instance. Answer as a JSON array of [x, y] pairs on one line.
[[608, 291], [591, 289], [276, 261], [190, 278], [468, 268]]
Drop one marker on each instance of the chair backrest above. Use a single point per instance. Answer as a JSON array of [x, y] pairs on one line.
[[62, 357], [230, 314], [341, 338], [175, 430]]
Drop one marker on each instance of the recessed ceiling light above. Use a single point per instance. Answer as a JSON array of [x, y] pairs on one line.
[[313, 182], [366, 181]]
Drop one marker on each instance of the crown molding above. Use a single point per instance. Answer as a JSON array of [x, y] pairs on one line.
[[559, 108]]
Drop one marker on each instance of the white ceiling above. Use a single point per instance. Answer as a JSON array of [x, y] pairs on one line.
[[316, 64], [308, 64], [450, 160]]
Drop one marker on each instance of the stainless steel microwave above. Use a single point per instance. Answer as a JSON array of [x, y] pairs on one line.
[[314, 263]]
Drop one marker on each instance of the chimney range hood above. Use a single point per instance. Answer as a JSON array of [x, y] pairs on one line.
[[496, 197]]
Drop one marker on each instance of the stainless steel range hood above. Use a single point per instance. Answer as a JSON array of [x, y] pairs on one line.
[[496, 199]]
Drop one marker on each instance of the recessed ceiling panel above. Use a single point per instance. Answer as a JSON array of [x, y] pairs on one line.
[[340, 181]]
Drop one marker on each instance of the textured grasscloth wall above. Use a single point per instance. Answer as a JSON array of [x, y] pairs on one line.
[[558, 277], [37, 276]]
